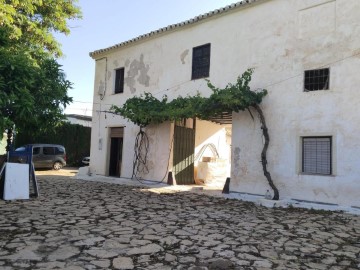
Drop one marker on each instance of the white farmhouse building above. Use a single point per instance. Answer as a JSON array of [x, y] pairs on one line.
[[306, 53]]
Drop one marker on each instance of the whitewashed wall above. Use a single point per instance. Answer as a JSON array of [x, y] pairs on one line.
[[280, 39], [210, 133], [76, 121], [313, 34]]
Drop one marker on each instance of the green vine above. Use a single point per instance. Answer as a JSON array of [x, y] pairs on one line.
[[147, 109]]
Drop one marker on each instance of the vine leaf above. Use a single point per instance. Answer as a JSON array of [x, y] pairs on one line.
[[146, 109]]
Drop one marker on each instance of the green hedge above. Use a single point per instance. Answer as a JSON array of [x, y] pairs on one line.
[[75, 138]]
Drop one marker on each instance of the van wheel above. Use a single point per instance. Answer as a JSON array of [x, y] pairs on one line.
[[57, 165]]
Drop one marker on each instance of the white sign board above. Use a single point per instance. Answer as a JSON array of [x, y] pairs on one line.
[[16, 186]]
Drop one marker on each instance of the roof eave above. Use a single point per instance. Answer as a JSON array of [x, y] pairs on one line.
[[197, 19]]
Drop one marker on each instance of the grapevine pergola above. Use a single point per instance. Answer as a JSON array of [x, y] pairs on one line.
[[146, 109]]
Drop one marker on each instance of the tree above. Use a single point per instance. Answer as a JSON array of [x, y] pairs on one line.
[[31, 23], [33, 88], [146, 109], [31, 94]]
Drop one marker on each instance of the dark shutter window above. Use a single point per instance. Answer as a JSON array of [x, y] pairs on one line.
[[119, 80], [117, 132], [316, 155], [201, 62], [317, 79]]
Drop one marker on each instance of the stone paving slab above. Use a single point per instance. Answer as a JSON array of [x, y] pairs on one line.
[[90, 225]]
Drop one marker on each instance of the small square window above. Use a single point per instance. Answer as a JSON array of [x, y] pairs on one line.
[[201, 62], [316, 155], [317, 79], [119, 80]]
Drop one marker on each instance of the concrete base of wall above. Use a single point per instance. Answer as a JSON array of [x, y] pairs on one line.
[[272, 203]]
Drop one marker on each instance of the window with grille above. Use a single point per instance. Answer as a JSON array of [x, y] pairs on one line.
[[316, 155], [119, 80], [317, 79], [201, 62]]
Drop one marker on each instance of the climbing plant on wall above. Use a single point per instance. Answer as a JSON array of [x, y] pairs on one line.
[[146, 109]]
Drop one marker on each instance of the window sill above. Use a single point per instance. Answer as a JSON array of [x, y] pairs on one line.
[[318, 91], [316, 174], [205, 77]]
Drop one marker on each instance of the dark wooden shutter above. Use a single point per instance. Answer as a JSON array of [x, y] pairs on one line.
[[119, 80], [184, 147], [117, 132], [201, 62]]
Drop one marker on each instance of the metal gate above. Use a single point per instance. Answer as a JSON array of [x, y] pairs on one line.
[[184, 147]]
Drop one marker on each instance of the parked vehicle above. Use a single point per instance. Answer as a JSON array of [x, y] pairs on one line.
[[86, 161], [47, 155]]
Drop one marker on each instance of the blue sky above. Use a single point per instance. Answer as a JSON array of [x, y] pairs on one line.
[[109, 22]]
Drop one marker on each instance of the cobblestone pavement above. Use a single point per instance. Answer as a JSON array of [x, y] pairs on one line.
[[89, 225]]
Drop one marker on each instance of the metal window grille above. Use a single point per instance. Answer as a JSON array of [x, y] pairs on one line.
[[317, 79], [316, 158], [201, 62], [119, 80]]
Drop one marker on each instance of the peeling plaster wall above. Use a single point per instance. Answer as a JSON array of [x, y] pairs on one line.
[[137, 72], [183, 56], [280, 39]]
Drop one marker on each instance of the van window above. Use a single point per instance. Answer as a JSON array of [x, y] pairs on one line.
[[59, 150], [36, 150], [48, 151]]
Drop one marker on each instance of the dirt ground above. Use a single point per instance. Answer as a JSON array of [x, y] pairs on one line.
[[67, 171]]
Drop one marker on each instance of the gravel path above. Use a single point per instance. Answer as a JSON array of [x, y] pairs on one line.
[[77, 224]]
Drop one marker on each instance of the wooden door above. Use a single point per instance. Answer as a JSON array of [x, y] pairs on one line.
[[184, 148]]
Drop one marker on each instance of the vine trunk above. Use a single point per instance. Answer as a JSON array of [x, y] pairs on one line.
[[264, 151]]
